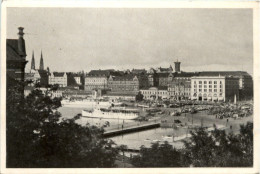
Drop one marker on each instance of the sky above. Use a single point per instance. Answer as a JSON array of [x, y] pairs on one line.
[[76, 39]]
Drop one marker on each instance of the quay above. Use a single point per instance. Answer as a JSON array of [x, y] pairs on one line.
[[131, 129]]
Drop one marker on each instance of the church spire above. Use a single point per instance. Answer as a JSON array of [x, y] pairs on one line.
[[33, 62], [41, 63]]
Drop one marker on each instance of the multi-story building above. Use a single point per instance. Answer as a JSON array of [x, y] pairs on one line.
[[126, 83], [245, 81], [154, 93], [59, 78], [138, 71], [37, 77], [179, 85], [214, 88], [16, 57], [162, 79], [97, 79]]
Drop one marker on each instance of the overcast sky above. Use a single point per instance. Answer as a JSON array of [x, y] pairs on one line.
[[89, 38]]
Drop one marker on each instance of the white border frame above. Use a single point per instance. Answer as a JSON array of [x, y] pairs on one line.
[[134, 4]]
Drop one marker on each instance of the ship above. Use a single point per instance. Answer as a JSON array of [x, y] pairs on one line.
[[111, 113], [87, 103]]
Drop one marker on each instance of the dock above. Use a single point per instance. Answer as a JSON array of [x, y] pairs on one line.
[[131, 129]]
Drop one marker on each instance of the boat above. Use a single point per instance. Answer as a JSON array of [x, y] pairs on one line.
[[111, 113], [85, 103]]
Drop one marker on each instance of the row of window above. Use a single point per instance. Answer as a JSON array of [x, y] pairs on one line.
[[210, 82], [205, 86], [210, 90]]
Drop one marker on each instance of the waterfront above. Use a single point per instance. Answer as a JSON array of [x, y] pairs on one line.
[[147, 137]]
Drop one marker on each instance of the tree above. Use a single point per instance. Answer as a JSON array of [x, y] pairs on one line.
[[159, 155], [217, 149], [38, 137], [203, 149], [139, 96]]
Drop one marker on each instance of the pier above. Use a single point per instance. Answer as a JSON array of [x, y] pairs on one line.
[[131, 129]]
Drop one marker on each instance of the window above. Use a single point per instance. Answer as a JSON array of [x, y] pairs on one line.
[[215, 86], [200, 86], [195, 82], [220, 94], [220, 82], [215, 90], [205, 86], [215, 82], [210, 86], [200, 90], [200, 82], [210, 90], [205, 90], [195, 86], [220, 86], [220, 90], [210, 82], [205, 82]]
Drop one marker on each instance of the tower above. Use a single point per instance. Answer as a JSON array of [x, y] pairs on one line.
[[33, 62], [177, 66], [41, 63]]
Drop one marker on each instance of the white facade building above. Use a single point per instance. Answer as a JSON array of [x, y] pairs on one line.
[[58, 78], [214, 88], [155, 93]]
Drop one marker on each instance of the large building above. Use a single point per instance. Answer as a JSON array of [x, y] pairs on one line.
[[179, 85], [16, 57], [37, 76], [214, 88], [97, 79], [125, 83], [154, 93], [245, 81], [59, 78]]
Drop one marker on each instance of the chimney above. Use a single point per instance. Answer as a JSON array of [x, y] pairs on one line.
[[21, 43], [177, 66]]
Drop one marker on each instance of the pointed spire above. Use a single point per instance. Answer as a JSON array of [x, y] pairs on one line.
[[41, 63], [33, 62]]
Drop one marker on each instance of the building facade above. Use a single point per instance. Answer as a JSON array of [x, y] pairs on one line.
[[97, 79], [154, 93], [59, 78], [16, 57], [126, 83], [214, 88]]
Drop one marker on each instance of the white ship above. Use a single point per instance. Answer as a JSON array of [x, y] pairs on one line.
[[85, 103], [111, 113]]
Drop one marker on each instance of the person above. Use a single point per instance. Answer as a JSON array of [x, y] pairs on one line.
[[227, 120], [230, 126]]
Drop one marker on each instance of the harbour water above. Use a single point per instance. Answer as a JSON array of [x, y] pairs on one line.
[[132, 140]]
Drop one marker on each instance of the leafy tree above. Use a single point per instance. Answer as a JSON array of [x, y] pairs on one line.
[[139, 96], [159, 155], [38, 137], [217, 149], [203, 149]]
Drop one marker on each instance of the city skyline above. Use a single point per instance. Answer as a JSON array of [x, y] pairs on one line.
[[221, 39]]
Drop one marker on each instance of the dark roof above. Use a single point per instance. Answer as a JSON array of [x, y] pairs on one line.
[[99, 73], [43, 73], [126, 77], [163, 74], [138, 71], [12, 52], [223, 73], [185, 74], [58, 74]]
